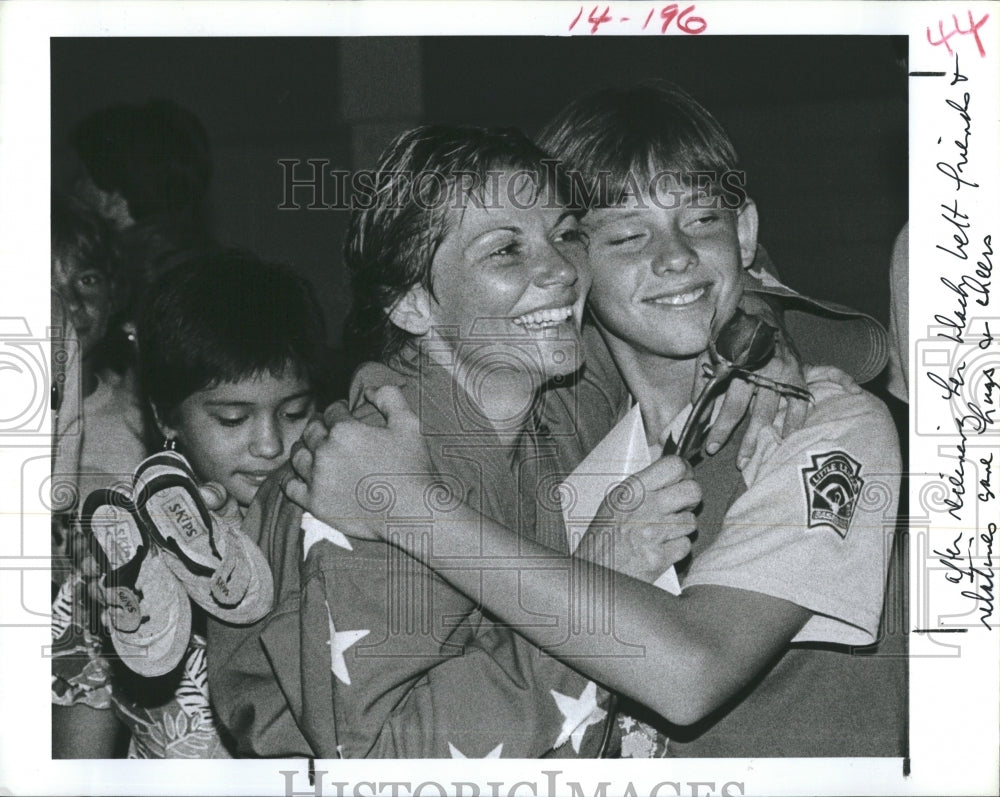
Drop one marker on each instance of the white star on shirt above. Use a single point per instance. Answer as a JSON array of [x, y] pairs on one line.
[[314, 530], [578, 714], [494, 753], [339, 642]]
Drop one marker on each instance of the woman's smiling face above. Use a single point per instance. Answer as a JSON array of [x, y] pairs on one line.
[[506, 278]]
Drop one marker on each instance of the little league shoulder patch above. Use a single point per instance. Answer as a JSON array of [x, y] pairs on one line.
[[833, 485]]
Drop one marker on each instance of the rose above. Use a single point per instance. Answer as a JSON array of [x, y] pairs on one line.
[[743, 345], [745, 342]]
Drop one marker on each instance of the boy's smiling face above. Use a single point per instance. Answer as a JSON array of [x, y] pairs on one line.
[[667, 269]]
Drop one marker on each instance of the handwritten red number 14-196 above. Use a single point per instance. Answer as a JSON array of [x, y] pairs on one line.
[[672, 13]]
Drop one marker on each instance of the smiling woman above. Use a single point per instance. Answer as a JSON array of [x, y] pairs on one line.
[[506, 297], [471, 298]]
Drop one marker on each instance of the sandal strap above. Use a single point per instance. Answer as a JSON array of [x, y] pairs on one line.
[[126, 574], [184, 482]]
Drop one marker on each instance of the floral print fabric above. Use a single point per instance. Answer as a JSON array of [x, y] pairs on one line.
[[168, 717]]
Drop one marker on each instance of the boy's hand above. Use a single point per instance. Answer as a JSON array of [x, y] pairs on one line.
[[333, 464], [643, 524]]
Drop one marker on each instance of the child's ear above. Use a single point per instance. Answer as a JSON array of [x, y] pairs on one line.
[[412, 311], [168, 431], [746, 228]]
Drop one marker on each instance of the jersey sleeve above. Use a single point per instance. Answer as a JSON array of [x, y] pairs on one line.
[[400, 665], [816, 522]]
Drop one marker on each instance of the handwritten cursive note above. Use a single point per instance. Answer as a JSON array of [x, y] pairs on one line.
[[964, 244]]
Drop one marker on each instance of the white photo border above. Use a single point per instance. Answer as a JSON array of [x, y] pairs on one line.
[[954, 692]]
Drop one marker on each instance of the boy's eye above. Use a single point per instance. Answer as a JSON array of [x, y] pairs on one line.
[[703, 219], [623, 239], [230, 421], [296, 415], [571, 235]]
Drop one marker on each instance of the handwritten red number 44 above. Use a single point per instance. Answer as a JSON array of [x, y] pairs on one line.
[[973, 29]]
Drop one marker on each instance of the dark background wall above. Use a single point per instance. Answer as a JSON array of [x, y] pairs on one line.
[[820, 123]]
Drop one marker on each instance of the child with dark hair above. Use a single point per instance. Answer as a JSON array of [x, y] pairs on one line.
[[231, 387], [231, 392]]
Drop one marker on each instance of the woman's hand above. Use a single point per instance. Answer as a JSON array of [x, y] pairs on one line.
[[643, 525], [339, 456]]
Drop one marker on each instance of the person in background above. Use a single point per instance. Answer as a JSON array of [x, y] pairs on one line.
[[146, 169], [143, 164], [92, 285], [101, 438]]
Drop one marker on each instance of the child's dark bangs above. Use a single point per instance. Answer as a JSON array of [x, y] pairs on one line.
[[255, 359]]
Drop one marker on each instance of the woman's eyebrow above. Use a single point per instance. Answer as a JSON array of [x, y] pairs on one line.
[[606, 215], [477, 238]]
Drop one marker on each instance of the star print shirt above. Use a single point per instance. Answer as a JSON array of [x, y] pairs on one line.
[[371, 654]]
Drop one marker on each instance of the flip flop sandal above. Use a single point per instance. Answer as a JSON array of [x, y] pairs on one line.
[[222, 570], [147, 612]]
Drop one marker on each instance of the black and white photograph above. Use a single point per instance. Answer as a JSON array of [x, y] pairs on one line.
[[446, 383]]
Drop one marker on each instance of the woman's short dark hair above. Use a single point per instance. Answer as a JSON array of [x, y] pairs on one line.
[[609, 139], [225, 316], [156, 155], [399, 223]]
